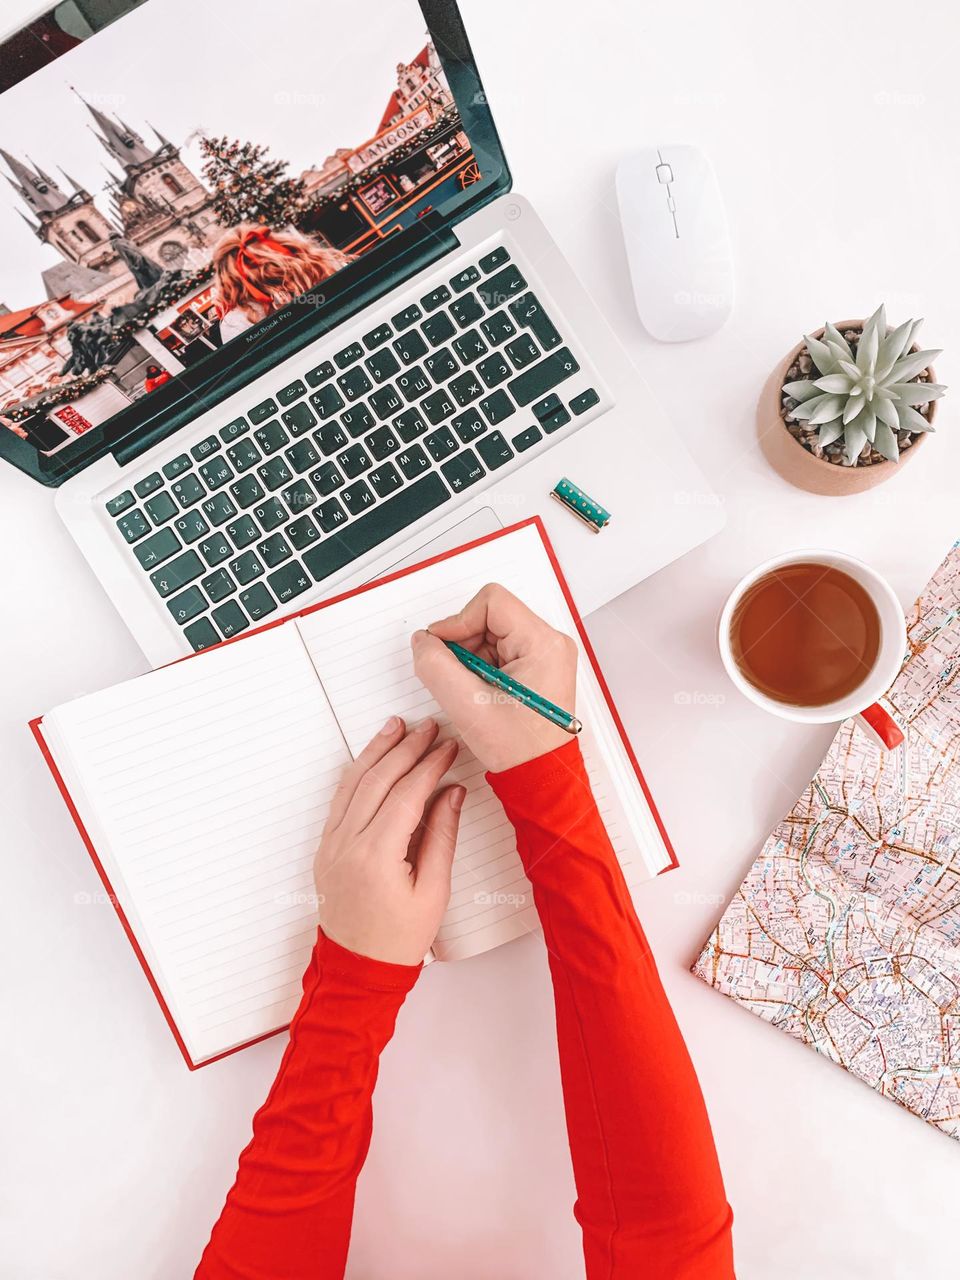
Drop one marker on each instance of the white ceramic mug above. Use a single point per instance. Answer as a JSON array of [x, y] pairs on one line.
[[873, 716]]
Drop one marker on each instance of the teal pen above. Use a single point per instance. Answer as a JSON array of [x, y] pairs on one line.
[[506, 684]]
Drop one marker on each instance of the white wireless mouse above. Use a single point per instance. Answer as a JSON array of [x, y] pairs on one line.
[[678, 244]]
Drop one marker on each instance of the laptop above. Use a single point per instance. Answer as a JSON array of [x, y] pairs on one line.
[[273, 321]]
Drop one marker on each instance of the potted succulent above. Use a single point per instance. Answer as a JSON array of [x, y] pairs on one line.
[[838, 414]]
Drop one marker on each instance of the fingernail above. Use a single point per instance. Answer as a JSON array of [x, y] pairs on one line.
[[391, 726], [425, 725], [418, 637], [457, 797]]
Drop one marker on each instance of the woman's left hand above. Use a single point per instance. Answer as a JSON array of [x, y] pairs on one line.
[[383, 867]]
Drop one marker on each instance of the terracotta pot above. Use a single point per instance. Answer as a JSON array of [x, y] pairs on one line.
[[798, 465]]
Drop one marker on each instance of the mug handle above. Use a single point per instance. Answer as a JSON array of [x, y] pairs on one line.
[[878, 723]]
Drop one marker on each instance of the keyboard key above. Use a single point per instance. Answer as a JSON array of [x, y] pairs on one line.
[[149, 484], [441, 444], [498, 328], [438, 328], [205, 448], [377, 525], [234, 429], [330, 438], [385, 402], [494, 450], [218, 508], [466, 310], [383, 365], [292, 391], [247, 491], [526, 439], [218, 585], [326, 479], [274, 550], [441, 365], [544, 376], [271, 437], [438, 406], [177, 573], [496, 290], [257, 601], [262, 411], [177, 467], [327, 401], [522, 351], [302, 456], [469, 425], [409, 424], [412, 461], [114, 506], [357, 497], [329, 515], [408, 316], [354, 383], [465, 279], [556, 420], [497, 407], [551, 413], [244, 455], [463, 471], [274, 473], [528, 311], [215, 549], [299, 419], [584, 401], [246, 567], [187, 605], [299, 497], [470, 346], [161, 508], [188, 491], [414, 383], [349, 355], [302, 533], [358, 420], [290, 581], [466, 388], [385, 479], [133, 525], [322, 372], [494, 259], [243, 531], [157, 549], [216, 473], [354, 461], [410, 346], [377, 337], [201, 635], [381, 443], [231, 619], [494, 370], [435, 298], [271, 514]]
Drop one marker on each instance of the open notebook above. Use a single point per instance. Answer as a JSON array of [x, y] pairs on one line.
[[201, 789]]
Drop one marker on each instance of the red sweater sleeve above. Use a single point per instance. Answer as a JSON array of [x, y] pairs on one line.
[[288, 1214], [650, 1198]]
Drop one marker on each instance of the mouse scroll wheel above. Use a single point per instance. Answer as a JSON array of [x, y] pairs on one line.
[[664, 173]]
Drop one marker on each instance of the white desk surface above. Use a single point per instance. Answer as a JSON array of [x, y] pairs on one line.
[[835, 144]]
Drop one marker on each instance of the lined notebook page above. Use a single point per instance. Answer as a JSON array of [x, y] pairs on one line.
[[361, 650], [205, 786]]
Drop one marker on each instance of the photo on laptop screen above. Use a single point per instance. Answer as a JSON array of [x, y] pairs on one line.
[[192, 169]]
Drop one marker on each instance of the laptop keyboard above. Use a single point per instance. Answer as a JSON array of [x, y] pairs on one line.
[[363, 446]]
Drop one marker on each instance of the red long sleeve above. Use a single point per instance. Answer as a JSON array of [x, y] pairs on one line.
[[288, 1215], [650, 1201]]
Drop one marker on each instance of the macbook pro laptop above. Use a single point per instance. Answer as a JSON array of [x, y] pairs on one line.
[[273, 321]]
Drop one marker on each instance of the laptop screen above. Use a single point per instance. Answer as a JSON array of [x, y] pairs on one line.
[[193, 168]]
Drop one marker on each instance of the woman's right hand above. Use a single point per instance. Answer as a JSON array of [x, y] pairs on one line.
[[500, 731]]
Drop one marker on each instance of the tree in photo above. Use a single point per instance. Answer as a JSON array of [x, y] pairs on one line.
[[249, 186]]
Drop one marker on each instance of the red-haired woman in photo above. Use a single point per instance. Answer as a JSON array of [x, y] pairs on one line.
[[259, 270]]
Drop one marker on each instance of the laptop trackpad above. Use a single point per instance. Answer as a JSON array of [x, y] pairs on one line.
[[476, 525]]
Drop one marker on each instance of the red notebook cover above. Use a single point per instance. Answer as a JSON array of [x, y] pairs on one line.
[[37, 728]]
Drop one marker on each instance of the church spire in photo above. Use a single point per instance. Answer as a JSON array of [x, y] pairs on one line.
[[36, 188], [120, 140]]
